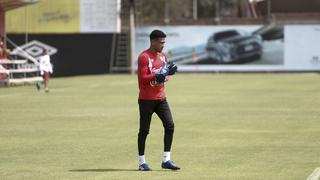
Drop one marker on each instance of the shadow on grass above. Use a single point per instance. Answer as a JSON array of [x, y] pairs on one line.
[[104, 170], [100, 170]]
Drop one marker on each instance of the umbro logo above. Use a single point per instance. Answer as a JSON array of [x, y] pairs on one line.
[[35, 49]]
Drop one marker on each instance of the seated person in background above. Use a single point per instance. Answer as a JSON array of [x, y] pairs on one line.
[[4, 52], [2, 57], [45, 69], [1, 42]]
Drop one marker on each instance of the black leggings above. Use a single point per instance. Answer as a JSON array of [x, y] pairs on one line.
[[161, 108]]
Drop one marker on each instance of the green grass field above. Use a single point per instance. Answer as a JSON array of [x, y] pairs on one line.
[[228, 126]]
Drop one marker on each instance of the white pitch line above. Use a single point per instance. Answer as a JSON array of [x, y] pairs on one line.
[[315, 175]]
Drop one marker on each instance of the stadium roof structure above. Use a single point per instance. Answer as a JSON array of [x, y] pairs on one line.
[[292, 6], [7, 5]]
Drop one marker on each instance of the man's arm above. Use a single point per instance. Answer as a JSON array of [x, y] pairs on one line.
[[144, 73]]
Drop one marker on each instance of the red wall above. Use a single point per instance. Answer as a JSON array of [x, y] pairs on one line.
[[2, 22]]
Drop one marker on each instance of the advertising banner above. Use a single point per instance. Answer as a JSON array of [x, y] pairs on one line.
[[302, 47], [71, 54], [61, 16], [237, 48], [99, 16], [47, 16]]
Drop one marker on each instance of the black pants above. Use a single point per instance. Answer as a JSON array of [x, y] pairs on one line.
[[161, 108]]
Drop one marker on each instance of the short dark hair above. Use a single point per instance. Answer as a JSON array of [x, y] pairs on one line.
[[157, 34], [45, 51]]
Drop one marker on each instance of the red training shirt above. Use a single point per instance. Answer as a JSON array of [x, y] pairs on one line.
[[148, 65]]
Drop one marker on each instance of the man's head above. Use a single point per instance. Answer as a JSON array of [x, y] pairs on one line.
[[157, 39], [45, 51]]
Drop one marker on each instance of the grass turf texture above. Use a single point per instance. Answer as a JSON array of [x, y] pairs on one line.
[[228, 126]]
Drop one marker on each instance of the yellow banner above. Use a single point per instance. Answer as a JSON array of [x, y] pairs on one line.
[[47, 16]]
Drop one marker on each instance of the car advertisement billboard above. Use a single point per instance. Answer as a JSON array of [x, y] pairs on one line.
[[227, 48], [302, 47]]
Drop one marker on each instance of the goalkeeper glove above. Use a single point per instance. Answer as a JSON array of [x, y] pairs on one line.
[[161, 75], [172, 69]]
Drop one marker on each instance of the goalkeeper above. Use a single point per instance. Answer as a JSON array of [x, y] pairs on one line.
[[153, 71]]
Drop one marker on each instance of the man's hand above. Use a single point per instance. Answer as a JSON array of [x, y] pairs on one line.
[[161, 75], [160, 78], [172, 69]]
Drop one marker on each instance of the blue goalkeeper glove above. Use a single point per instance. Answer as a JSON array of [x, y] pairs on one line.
[[172, 69], [161, 75]]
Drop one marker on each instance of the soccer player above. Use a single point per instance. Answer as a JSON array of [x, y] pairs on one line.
[[45, 70], [153, 71]]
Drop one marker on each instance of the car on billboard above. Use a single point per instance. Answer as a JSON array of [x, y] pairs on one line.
[[270, 32], [187, 54], [231, 46]]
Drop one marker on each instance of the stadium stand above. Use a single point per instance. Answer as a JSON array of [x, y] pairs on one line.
[[18, 72], [14, 70]]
